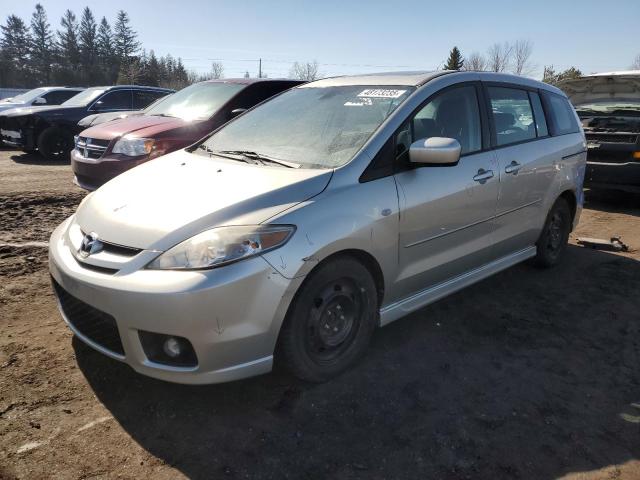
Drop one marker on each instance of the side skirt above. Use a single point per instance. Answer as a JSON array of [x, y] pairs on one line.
[[421, 299]]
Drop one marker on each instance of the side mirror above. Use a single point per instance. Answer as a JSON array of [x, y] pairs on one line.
[[40, 101], [237, 111], [435, 151]]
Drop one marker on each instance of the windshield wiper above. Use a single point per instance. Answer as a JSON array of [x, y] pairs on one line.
[[264, 159]]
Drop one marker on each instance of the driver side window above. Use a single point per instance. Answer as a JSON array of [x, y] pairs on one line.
[[452, 114]]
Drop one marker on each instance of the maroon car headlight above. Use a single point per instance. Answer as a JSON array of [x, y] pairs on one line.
[[223, 245], [133, 147]]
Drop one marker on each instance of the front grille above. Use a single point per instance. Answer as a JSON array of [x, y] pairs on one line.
[[96, 325], [609, 156], [611, 137], [91, 147]]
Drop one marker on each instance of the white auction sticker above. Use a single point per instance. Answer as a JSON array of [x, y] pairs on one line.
[[381, 93]]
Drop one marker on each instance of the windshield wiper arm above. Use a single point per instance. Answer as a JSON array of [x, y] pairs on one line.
[[260, 157]]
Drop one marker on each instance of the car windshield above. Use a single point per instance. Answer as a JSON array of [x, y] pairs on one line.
[[27, 96], [196, 102], [313, 127], [608, 108], [84, 98]]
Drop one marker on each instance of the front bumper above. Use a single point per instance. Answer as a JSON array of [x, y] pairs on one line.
[[615, 176], [231, 315], [12, 137], [91, 174]]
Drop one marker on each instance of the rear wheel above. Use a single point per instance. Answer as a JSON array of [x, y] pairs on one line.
[[55, 143], [330, 322], [555, 235]]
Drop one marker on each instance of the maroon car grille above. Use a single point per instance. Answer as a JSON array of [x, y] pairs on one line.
[[91, 147]]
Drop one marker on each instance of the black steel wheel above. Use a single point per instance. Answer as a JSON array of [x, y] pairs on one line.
[[55, 144], [330, 321], [555, 235]]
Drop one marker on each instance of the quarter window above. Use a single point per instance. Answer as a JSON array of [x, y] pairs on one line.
[[512, 115], [564, 120], [452, 114], [144, 98]]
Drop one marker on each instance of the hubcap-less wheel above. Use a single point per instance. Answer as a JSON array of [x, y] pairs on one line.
[[330, 321], [555, 235], [334, 319]]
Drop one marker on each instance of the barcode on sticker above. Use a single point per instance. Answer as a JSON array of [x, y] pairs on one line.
[[381, 93]]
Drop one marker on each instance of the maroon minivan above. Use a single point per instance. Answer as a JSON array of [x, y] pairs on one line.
[[106, 150]]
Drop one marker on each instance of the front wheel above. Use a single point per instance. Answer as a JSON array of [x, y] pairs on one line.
[[555, 235], [55, 143], [330, 322]]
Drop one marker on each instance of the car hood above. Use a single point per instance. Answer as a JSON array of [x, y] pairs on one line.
[[165, 201], [98, 118], [138, 126], [596, 88], [52, 109], [10, 105]]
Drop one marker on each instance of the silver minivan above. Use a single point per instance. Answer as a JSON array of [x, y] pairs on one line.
[[298, 228]]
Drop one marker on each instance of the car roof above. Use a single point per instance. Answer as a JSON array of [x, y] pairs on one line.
[[134, 87], [417, 79], [60, 88], [251, 81]]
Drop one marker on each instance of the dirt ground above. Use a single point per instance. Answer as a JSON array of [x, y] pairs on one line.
[[530, 374]]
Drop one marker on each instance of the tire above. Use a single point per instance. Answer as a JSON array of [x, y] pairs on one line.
[[330, 321], [554, 236], [55, 143]]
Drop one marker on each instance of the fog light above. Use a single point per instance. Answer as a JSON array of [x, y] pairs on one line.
[[172, 347], [168, 349]]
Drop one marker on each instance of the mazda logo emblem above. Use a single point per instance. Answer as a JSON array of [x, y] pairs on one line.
[[90, 245]]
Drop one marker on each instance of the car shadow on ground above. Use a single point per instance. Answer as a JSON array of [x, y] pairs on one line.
[[529, 374], [35, 158], [613, 201]]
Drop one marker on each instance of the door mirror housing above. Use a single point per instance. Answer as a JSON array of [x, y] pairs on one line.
[[237, 111], [435, 151], [40, 101]]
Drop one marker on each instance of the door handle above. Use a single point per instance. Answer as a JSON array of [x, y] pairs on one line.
[[483, 175], [513, 167]]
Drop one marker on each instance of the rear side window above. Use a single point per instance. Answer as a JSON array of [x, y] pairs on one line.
[[512, 115], [118, 100], [144, 98], [59, 96], [563, 120], [538, 115]]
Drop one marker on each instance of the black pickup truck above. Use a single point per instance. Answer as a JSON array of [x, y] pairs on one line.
[[50, 130], [608, 105]]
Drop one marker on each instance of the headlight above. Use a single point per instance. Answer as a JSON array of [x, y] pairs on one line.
[[133, 147], [221, 246]]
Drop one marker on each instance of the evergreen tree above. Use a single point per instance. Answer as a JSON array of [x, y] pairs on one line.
[[42, 47], [106, 53], [153, 70], [88, 46], [15, 43], [455, 60], [125, 41], [69, 50]]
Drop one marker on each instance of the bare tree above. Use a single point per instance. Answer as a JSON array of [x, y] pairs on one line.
[[636, 63], [217, 70], [522, 50], [305, 71], [499, 57], [475, 63]]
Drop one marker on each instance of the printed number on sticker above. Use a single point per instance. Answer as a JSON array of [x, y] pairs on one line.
[[381, 93]]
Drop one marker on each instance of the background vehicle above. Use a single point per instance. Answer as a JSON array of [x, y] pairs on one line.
[[50, 130], [98, 118], [40, 96], [608, 105], [107, 150], [335, 207]]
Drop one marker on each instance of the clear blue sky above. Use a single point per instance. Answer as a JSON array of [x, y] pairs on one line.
[[366, 36]]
